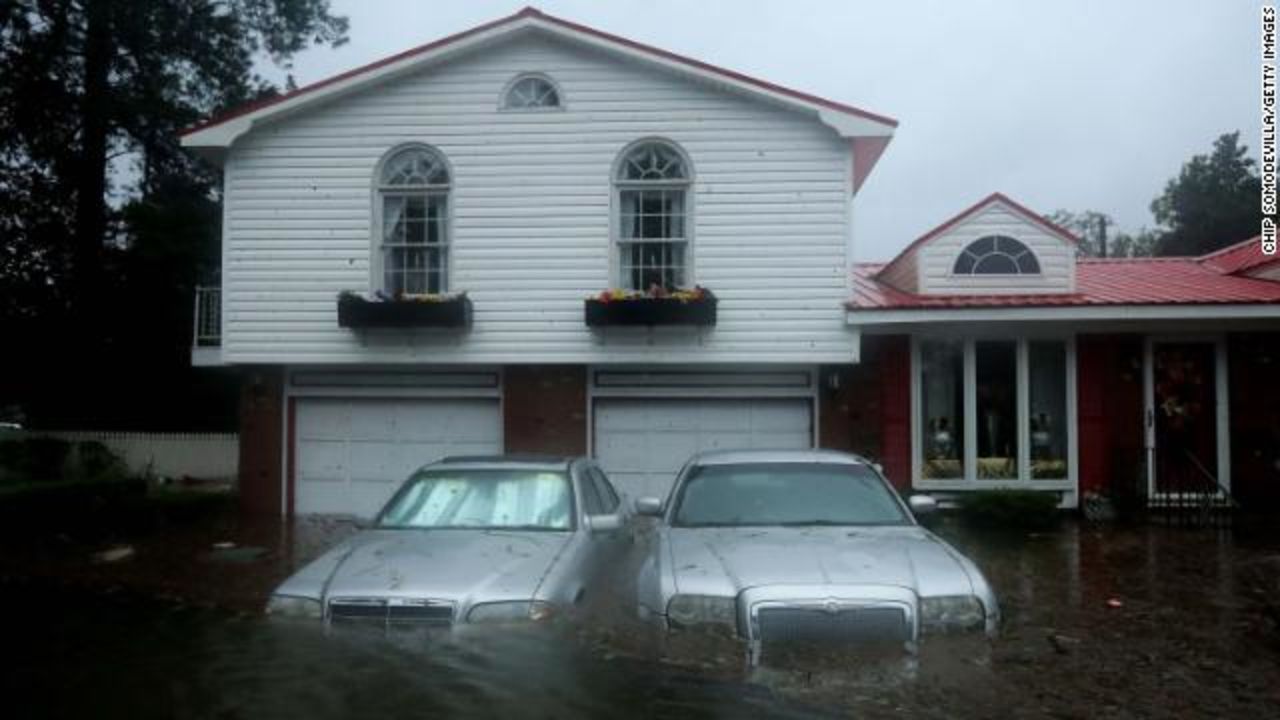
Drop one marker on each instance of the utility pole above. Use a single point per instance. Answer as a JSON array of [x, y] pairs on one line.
[[1102, 235]]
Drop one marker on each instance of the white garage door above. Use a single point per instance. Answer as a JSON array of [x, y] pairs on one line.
[[643, 443], [352, 454]]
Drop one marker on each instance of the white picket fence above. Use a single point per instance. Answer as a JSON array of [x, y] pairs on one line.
[[207, 456]]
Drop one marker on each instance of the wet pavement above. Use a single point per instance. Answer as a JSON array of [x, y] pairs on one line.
[[1099, 622]]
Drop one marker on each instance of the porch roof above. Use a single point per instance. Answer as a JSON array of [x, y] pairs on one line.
[[1205, 280]]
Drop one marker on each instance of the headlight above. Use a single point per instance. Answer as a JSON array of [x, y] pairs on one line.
[[514, 611], [685, 610], [952, 612], [293, 606]]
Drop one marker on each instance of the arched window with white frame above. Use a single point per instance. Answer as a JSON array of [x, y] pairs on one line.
[[531, 92], [652, 181], [996, 255], [413, 207]]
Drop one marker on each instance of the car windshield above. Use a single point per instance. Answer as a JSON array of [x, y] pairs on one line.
[[523, 499], [786, 494]]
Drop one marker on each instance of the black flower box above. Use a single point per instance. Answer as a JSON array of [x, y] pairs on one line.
[[639, 311], [449, 312]]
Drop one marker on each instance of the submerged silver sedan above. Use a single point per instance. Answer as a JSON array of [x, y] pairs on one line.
[[798, 550], [472, 540]]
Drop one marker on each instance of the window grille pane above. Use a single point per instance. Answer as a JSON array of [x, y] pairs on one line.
[[997, 409], [1047, 380], [942, 409]]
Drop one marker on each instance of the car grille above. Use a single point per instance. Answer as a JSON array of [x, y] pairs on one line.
[[828, 629], [390, 610]]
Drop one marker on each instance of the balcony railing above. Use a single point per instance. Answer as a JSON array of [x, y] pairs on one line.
[[208, 323]]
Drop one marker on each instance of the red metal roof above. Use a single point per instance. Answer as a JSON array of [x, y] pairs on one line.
[[532, 12], [1116, 281], [1239, 258]]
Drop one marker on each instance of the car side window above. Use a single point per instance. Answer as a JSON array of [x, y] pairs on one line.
[[605, 489], [591, 501]]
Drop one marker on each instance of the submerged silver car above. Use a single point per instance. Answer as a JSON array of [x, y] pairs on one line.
[[472, 540], [792, 550]]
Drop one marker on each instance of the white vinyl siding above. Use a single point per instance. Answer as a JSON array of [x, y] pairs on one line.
[[530, 203], [936, 259]]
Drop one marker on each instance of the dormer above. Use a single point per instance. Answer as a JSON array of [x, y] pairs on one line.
[[996, 247]]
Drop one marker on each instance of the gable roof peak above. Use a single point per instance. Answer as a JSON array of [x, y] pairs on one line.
[[218, 133], [995, 198]]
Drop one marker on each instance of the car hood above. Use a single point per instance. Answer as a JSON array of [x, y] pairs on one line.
[[459, 565], [725, 561]]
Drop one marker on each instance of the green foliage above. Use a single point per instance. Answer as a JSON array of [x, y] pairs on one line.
[[95, 461], [1087, 226], [1212, 203], [35, 460], [45, 461], [1009, 508], [93, 96]]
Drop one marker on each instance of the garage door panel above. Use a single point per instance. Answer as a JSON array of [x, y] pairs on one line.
[[325, 461], [372, 421], [643, 442], [324, 420], [352, 453]]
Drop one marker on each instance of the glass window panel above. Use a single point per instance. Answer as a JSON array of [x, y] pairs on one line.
[[942, 409], [996, 414], [996, 255], [1047, 380], [995, 265]]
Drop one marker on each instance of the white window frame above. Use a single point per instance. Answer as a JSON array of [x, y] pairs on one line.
[[951, 269], [970, 481], [616, 243], [560, 105], [377, 275]]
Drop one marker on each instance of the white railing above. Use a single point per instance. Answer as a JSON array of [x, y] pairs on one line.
[[208, 316]]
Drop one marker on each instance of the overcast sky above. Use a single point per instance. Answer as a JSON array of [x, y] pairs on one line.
[[1086, 105]]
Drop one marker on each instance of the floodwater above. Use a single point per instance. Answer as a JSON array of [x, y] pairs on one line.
[[1099, 622]]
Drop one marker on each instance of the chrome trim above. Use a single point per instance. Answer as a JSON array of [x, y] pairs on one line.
[[824, 598]]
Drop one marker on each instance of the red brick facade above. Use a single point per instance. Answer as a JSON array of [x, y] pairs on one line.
[[869, 410], [261, 439], [1254, 402], [544, 409]]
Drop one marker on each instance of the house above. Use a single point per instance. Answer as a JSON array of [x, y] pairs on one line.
[[532, 164], [1005, 360], [534, 236]]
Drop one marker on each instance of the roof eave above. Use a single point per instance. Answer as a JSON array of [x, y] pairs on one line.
[[848, 122]]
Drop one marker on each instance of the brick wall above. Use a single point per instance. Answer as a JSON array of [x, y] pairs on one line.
[[545, 409], [869, 411], [261, 441]]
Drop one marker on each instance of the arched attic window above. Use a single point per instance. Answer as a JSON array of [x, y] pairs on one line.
[[652, 180], [413, 206], [531, 92], [996, 255]]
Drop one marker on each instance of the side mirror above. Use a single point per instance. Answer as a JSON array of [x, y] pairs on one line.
[[922, 505], [650, 506], [604, 523]]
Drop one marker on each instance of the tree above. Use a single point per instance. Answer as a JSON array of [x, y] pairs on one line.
[[1087, 226], [92, 100], [1212, 203]]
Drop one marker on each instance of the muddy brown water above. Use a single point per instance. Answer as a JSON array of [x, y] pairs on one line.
[[1098, 622]]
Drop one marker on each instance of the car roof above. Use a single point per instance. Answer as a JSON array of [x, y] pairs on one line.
[[526, 461], [737, 457]]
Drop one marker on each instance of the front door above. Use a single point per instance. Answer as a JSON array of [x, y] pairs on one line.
[[1186, 416]]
